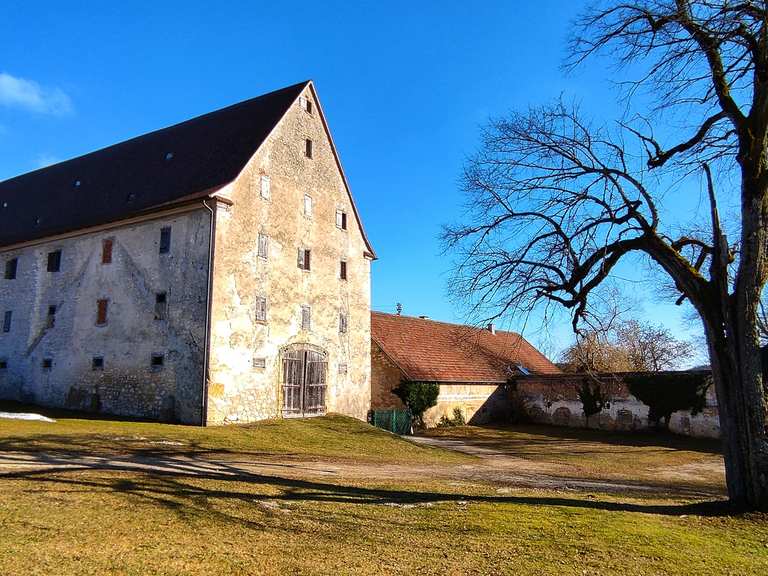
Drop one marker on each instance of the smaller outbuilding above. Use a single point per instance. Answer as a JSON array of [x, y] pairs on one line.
[[473, 366]]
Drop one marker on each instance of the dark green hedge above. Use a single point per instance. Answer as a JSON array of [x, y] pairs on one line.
[[665, 393], [418, 396]]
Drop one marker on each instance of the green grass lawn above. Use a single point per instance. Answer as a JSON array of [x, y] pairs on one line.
[[331, 437], [118, 522]]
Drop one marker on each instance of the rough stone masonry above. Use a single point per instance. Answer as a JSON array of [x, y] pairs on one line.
[[214, 271]]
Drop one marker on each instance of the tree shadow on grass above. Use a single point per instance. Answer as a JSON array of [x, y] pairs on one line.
[[193, 487], [102, 444]]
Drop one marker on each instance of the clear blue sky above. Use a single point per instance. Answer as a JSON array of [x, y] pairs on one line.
[[405, 88]]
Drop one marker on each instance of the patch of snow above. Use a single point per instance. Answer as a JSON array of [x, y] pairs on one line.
[[271, 506], [416, 505], [25, 416]]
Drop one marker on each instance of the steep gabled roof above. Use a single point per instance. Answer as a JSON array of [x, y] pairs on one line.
[[426, 350], [189, 160]]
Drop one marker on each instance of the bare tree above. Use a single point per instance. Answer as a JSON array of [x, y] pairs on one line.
[[557, 202], [652, 348], [594, 352], [629, 346]]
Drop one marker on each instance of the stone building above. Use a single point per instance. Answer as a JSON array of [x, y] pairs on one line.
[[213, 271], [473, 366]]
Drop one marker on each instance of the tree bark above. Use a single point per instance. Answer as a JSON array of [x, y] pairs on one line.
[[732, 335], [742, 424]]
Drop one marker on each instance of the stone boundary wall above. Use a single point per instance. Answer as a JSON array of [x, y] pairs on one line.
[[554, 400]]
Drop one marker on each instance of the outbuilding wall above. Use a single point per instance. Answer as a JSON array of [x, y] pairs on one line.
[[479, 403], [385, 377]]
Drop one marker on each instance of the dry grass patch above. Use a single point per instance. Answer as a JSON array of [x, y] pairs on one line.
[[594, 454]]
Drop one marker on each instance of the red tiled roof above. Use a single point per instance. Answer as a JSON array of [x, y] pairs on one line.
[[426, 350]]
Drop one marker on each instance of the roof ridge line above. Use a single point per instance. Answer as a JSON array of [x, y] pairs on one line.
[[470, 326], [158, 130]]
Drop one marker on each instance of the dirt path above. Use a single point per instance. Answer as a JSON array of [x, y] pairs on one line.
[[493, 467], [502, 463]]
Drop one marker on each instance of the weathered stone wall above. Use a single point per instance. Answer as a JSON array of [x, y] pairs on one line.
[[238, 391], [554, 400], [127, 384]]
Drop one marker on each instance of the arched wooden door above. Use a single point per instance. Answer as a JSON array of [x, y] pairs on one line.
[[304, 380]]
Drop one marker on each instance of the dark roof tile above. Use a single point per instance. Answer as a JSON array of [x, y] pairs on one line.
[[184, 161]]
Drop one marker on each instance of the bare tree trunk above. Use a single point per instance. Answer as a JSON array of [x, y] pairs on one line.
[[742, 421], [731, 327]]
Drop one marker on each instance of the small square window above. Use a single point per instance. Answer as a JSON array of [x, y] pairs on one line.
[[10, 268], [47, 364], [342, 368], [259, 363], [308, 148], [343, 269], [165, 239], [341, 219], [307, 205], [161, 306], [106, 251], [304, 259], [157, 362], [54, 261], [263, 248], [306, 318], [51, 318], [342, 323], [261, 309], [102, 306], [7, 320], [3, 364], [266, 187], [97, 363]]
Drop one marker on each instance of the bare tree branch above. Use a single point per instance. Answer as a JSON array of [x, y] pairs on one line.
[[556, 203]]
